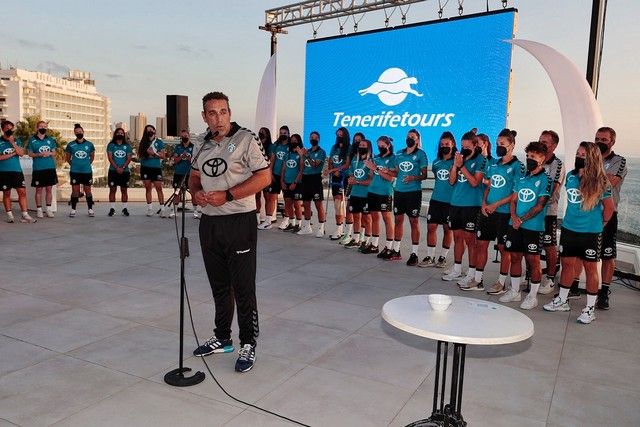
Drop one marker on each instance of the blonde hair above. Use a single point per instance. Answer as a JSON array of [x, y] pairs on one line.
[[594, 181]]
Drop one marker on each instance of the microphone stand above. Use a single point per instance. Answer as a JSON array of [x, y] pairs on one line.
[[176, 377]]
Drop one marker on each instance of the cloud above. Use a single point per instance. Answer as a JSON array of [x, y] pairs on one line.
[[53, 67], [184, 48], [114, 76], [30, 44], [141, 46]]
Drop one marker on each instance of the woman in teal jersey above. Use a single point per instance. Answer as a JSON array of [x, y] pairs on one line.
[[312, 190], [42, 149], [291, 182], [411, 169], [380, 195], [500, 177], [359, 178], [119, 153], [338, 157], [439, 205], [80, 154], [264, 135], [466, 177], [353, 151], [11, 175], [279, 150], [151, 153], [589, 208]]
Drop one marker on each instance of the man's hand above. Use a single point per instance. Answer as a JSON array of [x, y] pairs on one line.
[[201, 198], [216, 198]]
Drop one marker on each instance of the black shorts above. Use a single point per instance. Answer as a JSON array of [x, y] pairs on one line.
[[295, 194], [44, 178], [463, 218], [524, 241], [116, 179], [438, 212], [609, 238], [586, 246], [407, 202], [9, 180], [177, 179], [379, 203], [337, 184], [81, 178], [492, 227], [150, 174], [274, 187], [550, 231], [358, 205], [312, 187]]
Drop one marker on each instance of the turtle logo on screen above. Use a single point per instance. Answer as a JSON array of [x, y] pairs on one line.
[[392, 87]]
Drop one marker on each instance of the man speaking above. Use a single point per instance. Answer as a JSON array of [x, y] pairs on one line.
[[231, 169]]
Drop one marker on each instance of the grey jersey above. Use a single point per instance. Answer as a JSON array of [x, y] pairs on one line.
[[554, 169], [227, 163], [616, 165]]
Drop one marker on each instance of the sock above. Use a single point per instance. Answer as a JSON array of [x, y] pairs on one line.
[[292, 221], [321, 227], [396, 245], [124, 205], [431, 251], [564, 294], [25, 214], [74, 202], [591, 300], [471, 272], [39, 208], [389, 244], [534, 286], [349, 229], [457, 268], [113, 205], [149, 205], [267, 219], [374, 241], [515, 283], [478, 276], [356, 238], [444, 252], [90, 201], [502, 278], [414, 249], [368, 239]]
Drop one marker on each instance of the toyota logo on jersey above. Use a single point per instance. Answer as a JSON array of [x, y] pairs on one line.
[[406, 166], [526, 195], [443, 175], [214, 167]]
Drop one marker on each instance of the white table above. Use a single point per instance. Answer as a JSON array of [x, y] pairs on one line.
[[466, 321]]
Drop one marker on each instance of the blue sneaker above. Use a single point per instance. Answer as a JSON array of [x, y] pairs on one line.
[[214, 345], [246, 357]]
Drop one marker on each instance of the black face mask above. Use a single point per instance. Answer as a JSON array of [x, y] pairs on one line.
[[283, 138], [579, 163], [603, 147], [314, 142], [184, 140], [292, 146], [383, 150], [531, 165], [411, 142], [150, 135], [340, 140], [261, 136], [79, 136], [42, 131], [501, 151], [9, 133], [466, 152], [444, 151], [119, 138], [363, 151]]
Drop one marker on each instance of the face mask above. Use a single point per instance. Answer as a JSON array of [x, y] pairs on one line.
[[261, 136], [478, 150], [579, 163], [150, 134], [443, 151], [314, 142], [363, 151], [119, 138], [340, 140], [9, 132], [501, 151], [531, 165], [282, 138], [184, 140], [42, 131], [383, 150], [603, 147], [411, 142], [292, 146], [79, 136], [466, 152]]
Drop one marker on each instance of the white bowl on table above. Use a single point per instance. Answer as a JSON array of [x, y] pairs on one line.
[[439, 302]]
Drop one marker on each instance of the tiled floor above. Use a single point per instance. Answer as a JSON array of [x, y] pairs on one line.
[[89, 322]]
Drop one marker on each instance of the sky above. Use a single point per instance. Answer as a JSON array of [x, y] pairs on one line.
[[139, 51]]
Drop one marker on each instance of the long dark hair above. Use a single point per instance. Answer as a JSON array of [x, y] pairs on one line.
[[145, 142], [113, 138], [354, 146], [296, 137], [389, 141], [344, 150], [267, 139]]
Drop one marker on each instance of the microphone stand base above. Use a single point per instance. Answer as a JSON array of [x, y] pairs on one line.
[[176, 378]]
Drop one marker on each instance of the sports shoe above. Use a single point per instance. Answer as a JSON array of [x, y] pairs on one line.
[[465, 280], [284, 224], [603, 299], [91, 213], [346, 238], [320, 233], [306, 230], [530, 302], [393, 256], [214, 345], [265, 225], [112, 212], [10, 219], [49, 213], [427, 262], [295, 229], [246, 358], [125, 212], [413, 260], [557, 305], [27, 219], [511, 296], [546, 287], [351, 244], [163, 212], [472, 286], [452, 276], [149, 211], [289, 227], [587, 316], [72, 213], [370, 249], [172, 214], [337, 235], [441, 263], [496, 289], [385, 252], [363, 246], [39, 213]]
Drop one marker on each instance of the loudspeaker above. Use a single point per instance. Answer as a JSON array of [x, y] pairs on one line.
[[177, 114]]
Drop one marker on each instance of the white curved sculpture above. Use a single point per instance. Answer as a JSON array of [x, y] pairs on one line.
[[266, 103]]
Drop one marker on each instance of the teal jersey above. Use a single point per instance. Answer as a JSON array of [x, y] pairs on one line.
[[182, 167], [151, 161], [12, 164], [442, 190], [360, 172], [463, 193], [575, 219], [317, 155], [378, 184], [291, 167], [503, 178], [80, 155], [410, 165], [39, 146], [119, 153], [280, 152], [335, 157], [529, 189]]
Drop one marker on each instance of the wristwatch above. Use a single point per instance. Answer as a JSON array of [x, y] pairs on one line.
[[229, 196]]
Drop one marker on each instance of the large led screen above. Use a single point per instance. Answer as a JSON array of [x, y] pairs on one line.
[[448, 75]]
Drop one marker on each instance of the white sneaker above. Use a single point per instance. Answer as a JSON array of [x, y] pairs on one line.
[[587, 316], [530, 302], [320, 233], [452, 276], [338, 233], [305, 230], [284, 224], [10, 219], [50, 213], [27, 219], [465, 280], [265, 225], [91, 213], [72, 213], [346, 238], [171, 213], [546, 287], [163, 212], [511, 296], [39, 213], [557, 305], [149, 211]]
